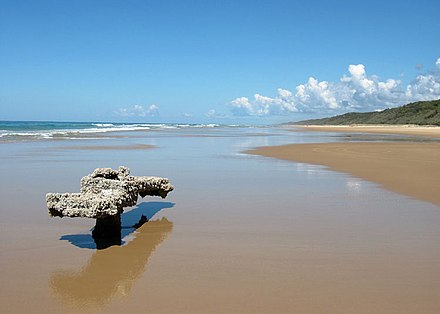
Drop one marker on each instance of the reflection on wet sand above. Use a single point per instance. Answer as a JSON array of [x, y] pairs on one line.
[[113, 271]]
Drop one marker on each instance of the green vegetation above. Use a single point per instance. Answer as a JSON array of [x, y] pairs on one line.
[[420, 113]]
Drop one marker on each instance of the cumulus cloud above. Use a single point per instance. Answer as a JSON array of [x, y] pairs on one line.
[[355, 91], [263, 105], [138, 111], [315, 94], [424, 87], [212, 113]]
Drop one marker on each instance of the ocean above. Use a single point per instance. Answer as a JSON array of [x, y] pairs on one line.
[[11, 131]]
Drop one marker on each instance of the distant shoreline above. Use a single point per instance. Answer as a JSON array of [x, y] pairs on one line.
[[417, 113], [403, 129], [410, 168]]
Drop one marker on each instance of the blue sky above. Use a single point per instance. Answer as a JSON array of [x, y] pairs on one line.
[[214, 61]]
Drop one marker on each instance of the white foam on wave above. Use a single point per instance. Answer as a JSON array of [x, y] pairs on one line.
[[104, 130], [212, 125], [100, 125], [24, 134], [100, 128], [69, 132]]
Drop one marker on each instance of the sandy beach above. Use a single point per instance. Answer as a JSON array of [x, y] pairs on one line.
[[109, 147], [239, 234], [409, 168], [150, 161], [427, 131]]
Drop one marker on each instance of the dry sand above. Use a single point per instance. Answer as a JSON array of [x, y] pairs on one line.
[[408, 168], [429, 131]]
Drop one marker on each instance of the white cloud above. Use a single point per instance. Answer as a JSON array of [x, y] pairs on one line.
[[212, 113], [315, 92], [424, 87], [138, 111], [284, 93], [263, 105], [356, 91], [356, 70]]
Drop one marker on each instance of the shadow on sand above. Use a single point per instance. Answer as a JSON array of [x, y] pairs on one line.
[[113, 271], [130, 221]]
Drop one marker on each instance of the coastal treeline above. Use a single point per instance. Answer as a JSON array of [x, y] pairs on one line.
[[419, 113]]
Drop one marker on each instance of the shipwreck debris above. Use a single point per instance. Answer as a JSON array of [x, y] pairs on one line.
[[104, 194]]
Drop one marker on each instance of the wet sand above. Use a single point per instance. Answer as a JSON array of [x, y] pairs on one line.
[[409, 168], [106, 147], [239, 234], [428, 131]]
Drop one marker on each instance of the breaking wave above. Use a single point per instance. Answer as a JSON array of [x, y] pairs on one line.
[[29, 130]]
